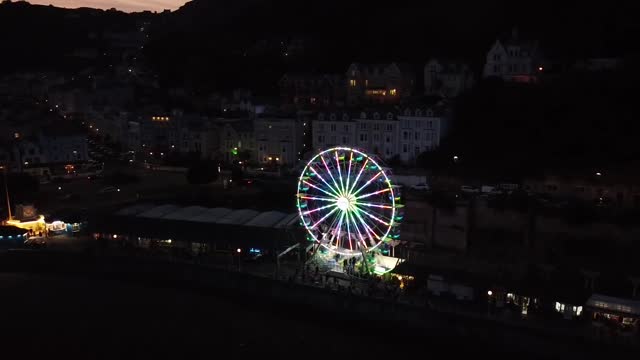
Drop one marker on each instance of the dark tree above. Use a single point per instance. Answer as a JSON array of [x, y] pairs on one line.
[[202, 172]]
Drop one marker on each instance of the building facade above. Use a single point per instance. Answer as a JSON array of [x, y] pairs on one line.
[[379, 83], [513, 60], [401, 133], [312, 90], [160, 131], [279, 140], [447, 78], [64, 147], [236, 137]]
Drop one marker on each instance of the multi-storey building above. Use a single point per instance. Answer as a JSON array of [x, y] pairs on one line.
[[236, 136], [312, 89], [379, 84], [278, 140], [63, 145], [513, 60], [160, 131], [447, 78], [403, 133]]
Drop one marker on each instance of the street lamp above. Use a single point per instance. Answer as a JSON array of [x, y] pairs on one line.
[[6, 191], [239, 251]]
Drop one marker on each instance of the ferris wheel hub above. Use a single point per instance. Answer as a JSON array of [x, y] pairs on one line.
[[344, 203]]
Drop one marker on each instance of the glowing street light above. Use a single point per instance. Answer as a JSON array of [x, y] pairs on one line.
[[490, 293], [238, 250]]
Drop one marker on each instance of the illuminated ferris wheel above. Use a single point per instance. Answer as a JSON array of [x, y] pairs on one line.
[[347, 202]]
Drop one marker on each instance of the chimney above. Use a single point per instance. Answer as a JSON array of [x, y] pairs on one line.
[[514, 33]]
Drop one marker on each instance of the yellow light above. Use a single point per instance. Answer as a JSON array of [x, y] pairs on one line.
[[270, 158], [393, 92]]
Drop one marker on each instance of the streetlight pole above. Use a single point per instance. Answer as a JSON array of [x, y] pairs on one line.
[[6, 190]]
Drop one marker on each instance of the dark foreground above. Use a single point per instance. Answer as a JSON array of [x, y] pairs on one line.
[[141, 313]]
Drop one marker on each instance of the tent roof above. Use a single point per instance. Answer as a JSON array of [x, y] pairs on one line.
[[186, 213], [238, 217], [211, 215], [218, 215], [158, 211], [267, 219]]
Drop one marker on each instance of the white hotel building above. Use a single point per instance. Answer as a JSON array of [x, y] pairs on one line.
[[405, 132]]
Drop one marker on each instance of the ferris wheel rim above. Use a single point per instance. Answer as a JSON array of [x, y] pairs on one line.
[[336, 193]]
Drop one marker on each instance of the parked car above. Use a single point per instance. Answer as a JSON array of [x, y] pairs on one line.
[[469, 189], [109, 189], [421, 187]]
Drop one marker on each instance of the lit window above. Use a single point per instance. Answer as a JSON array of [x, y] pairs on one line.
[[393, 92], [352, 82]]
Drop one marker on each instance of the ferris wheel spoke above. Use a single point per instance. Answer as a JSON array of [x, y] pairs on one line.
[[335, 191], [338, 191], [373, 194], [375, 224], [323, 218], [319, 209], [374, 205], [355, 224], [317, 198], [374, 217], [364, 166], [367, 184], [349, 232], [318, 188], [332, 229], [339, 229], [367, 228], [349, 171], [340, 173]]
